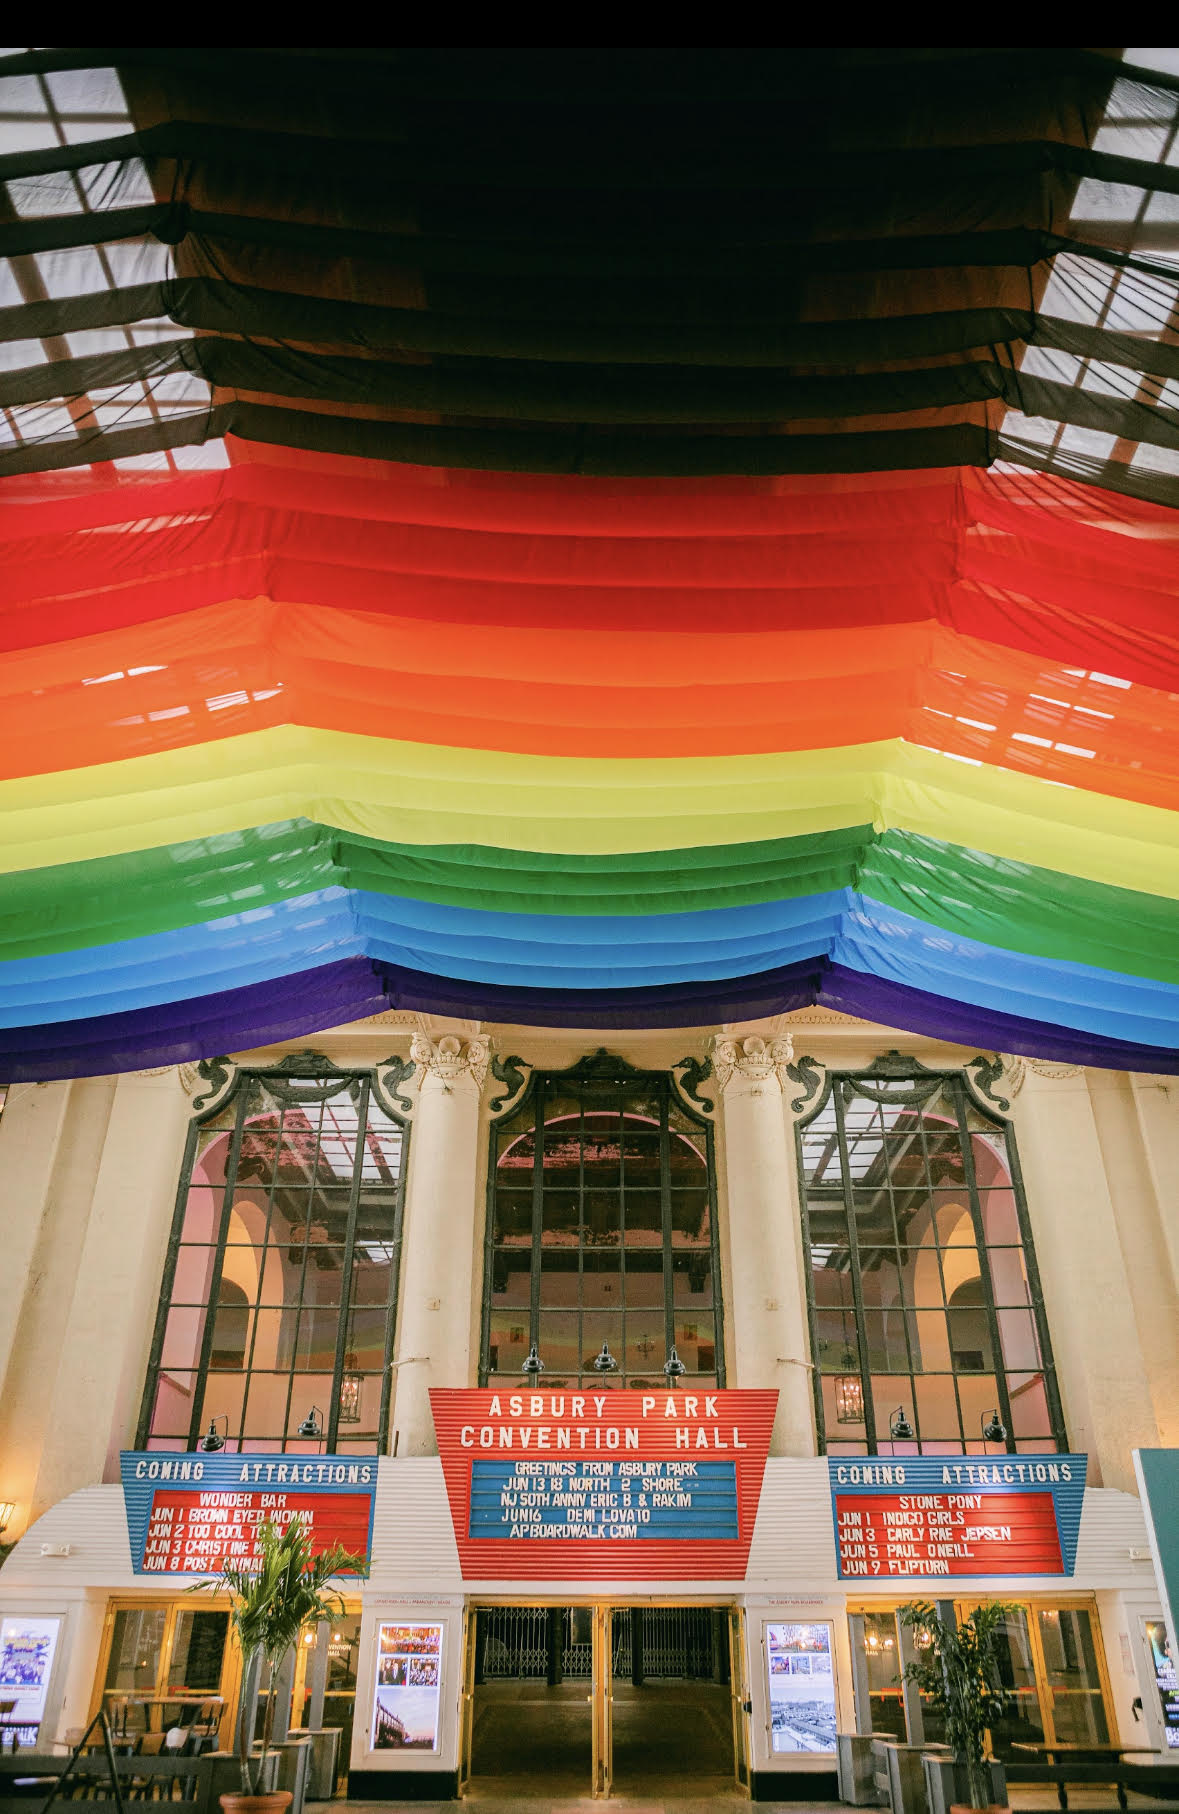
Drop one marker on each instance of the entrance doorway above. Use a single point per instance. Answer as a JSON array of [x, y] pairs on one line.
[[628, 1699], [671, 1686], [1051, 1663]]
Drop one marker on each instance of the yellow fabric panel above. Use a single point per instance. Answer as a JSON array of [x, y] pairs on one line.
[[427, 794]]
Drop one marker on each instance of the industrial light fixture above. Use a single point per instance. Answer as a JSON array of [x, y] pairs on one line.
[[899, 1427], [605, 1361], [210, 1442], [532, 1362], [350, 1385], [993, 1427], [312, 1425], [7, 1508], [673, 1366], [849, 1390]]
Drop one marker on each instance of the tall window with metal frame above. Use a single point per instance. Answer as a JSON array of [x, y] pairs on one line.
[[277, 1312], [601, 1265], [928, 1331]]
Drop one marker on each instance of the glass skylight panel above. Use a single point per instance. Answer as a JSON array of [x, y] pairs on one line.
[[71, 107]]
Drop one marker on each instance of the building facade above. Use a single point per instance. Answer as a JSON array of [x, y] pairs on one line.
[[936, 1260]]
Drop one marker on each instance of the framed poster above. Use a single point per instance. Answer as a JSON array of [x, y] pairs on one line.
[[407, 1694], [1166, 1680], [27, 1648], [801, 1685]]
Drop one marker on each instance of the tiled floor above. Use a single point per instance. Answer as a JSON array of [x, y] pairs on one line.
[[524, 1796], [510, 1802]]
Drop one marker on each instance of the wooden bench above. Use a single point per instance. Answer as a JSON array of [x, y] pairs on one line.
[[184, 1782], [1160, 1781]]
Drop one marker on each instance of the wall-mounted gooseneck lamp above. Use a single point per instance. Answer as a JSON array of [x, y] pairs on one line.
[[993, 1427], [213, 1439], [674, 1367], [899, 1427], [312, 1425], [532, 1362], [605, 1361]]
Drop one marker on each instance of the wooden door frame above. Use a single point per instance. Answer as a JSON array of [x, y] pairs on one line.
[[601, 1696]]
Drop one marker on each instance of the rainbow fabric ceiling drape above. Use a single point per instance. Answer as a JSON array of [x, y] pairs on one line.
[[636, 586]]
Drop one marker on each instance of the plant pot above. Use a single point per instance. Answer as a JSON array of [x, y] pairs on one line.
[[274, 1803]]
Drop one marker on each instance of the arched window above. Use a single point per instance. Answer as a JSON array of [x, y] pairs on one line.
[[280, 1288], [601, 1234], [923, 1291]]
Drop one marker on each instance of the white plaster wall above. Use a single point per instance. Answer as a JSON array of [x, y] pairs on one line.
[[1102, 1364]]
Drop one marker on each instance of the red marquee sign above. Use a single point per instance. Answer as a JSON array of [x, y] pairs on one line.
[[549, 1483]]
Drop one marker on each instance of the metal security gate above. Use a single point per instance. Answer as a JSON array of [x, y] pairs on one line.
[[514, 1641], [679, 1643]]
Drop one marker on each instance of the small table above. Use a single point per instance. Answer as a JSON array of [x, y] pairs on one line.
[[155, 1706], [1086, 1754], [1099, 1753]]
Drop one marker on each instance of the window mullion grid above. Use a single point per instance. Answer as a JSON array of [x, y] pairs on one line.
[[853, 1249], [665, 1220], [1047, 1360], [717, 1293], [198, 1397], [538, 1144], [897, 1248], [490, 1237], [984, 1268], [808, 1249], [344, 1324], [248, 1357], [312, 1183], [166, 1285], [394, 1303], [623, 1358]]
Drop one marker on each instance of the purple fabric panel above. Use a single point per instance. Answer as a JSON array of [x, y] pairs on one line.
[[915, 1011], [669, 1005], [231, 1021], [304, 1004]]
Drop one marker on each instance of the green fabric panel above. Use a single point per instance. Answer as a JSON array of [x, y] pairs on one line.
[[1005, 904], [69, 906], [1040, 912]]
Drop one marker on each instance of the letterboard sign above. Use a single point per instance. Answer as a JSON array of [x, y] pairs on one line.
[[934, 1516], [189, 1513], [662, 1485]]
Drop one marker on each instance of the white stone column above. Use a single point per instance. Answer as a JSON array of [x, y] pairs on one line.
[[30, 1132], [90, 1403], [1156, 1101], [765, 1300], [1100, 1364], [1142, 1204], [442, 1240], [40, 1307]]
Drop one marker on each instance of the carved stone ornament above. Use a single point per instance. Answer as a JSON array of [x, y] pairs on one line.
[[1015, 1070], [514, 1074], [688, 1074], [220, 1074], [450, 1058], [390, 1079], [754, 1060]]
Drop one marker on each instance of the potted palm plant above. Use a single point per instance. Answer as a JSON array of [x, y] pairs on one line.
[[270, 1603], [958, 1671]]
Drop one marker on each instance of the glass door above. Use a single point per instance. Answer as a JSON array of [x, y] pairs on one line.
[[1023, 1723], [467, 1706], [1072, 1676], [167, 1665], [740, 1697], [602, 1698]]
